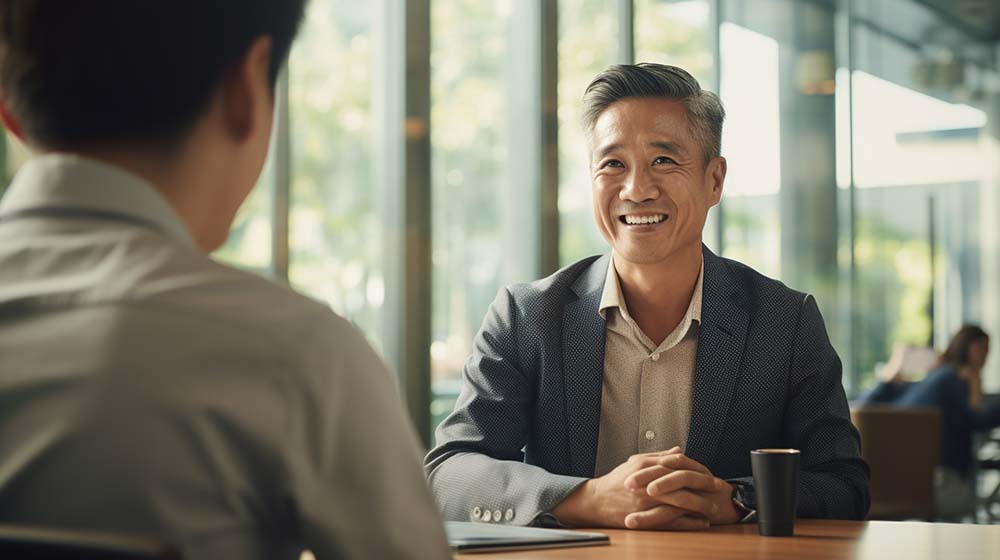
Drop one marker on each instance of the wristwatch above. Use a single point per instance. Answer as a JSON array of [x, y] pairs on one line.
[[743, 499]]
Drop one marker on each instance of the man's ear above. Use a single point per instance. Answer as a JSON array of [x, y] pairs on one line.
[[715, 179], [9, 122], [246, 88]]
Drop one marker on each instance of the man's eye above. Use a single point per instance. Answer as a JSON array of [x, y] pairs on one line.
[[662, 160], [612, 163]]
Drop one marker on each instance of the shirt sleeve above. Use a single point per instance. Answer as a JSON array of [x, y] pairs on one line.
[[356, 481]]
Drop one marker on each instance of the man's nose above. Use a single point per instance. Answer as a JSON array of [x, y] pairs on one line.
[[639, 186]]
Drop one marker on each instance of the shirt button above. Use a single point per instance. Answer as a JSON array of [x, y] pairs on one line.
[[497, 516], [477, 512], [487, 516], [650, 434], [509, 516], [655, 356]]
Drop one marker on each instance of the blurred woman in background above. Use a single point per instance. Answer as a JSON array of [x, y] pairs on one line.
[[955, 388]]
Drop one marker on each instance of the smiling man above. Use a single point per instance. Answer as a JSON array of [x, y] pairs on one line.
[[627, 390]]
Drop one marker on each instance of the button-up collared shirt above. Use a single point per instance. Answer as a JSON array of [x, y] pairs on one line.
[[646, 394], [147, 388]]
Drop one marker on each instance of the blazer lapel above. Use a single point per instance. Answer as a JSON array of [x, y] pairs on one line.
[[583, 366], [717, 362]]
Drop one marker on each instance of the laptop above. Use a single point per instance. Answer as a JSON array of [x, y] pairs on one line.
[[466, 536]]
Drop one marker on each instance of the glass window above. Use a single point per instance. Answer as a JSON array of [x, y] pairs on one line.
[[751, 144], [469, 142], [901, 252], [335, 231], [780, 209], [921, 244], [677, 33], [588, 31]]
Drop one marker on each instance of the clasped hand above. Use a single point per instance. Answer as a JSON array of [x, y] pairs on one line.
[[665, 490]]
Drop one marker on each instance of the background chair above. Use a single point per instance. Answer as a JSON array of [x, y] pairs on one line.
[[902, 448], [35, 543]]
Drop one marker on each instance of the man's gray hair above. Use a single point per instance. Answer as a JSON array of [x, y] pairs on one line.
[[622, 81]]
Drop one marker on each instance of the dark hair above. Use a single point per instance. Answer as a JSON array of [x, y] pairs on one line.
[[125, 71], [957, 353], [621, 81]]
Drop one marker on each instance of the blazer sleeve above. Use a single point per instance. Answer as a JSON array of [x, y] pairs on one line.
[[833, 482], [478, 464]]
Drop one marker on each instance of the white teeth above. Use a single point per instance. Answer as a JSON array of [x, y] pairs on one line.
[[637, 220]]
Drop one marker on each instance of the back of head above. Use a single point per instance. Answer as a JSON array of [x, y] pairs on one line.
[[126, 72], [623, 81]]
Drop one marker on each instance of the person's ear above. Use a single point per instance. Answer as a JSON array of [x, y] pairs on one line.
[[9, 122], [247, 89], [715, 179]]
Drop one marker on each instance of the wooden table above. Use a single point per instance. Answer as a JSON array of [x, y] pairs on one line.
[[882, 540]]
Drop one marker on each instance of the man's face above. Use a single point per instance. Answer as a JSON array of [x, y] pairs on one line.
[[652, 189]]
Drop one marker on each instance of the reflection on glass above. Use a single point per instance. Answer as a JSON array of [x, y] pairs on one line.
[[751, 144], [335, 239], [469, 135], [907, 207]]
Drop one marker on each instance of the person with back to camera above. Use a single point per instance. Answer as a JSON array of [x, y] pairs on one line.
[[144, 387]]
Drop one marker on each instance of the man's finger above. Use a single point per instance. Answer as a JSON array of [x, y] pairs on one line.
[[690, 501], [665, 517], [672, 479], [676, 480], [680, 462], [654, 454], [640, 478]]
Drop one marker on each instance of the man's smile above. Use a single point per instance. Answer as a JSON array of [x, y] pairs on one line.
[[640, 220]]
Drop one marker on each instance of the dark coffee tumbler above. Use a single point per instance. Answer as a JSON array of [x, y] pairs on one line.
[[776, 483]]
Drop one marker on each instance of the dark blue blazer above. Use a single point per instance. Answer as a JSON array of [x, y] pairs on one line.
[[524, 431]]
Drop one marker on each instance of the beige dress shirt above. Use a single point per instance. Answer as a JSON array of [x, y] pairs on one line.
[[146, 388], [646, 394]]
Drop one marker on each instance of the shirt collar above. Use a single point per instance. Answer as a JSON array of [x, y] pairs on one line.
[[72, 182], [612, 296]]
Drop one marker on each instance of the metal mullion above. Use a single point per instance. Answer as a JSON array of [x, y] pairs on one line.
[[548, 55], [717, 19], [845, 37], [626, 32], [415, 362], [400, 100]]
